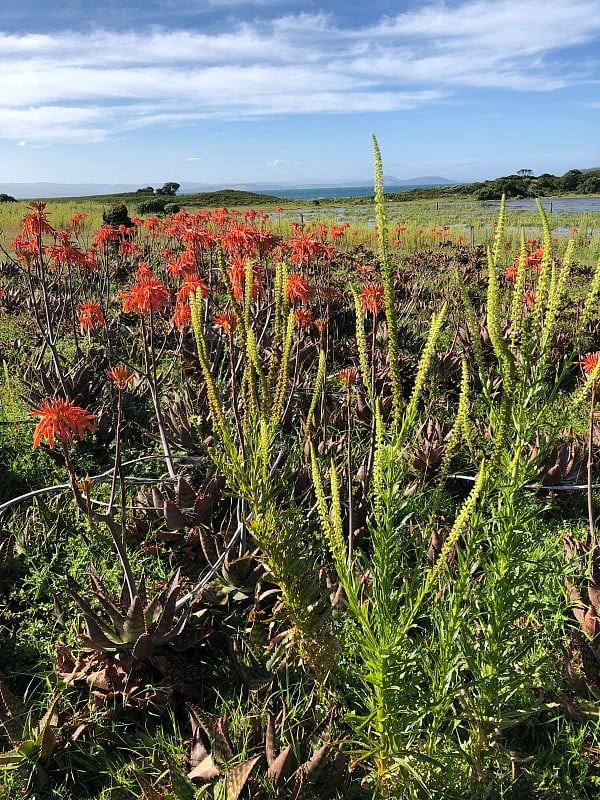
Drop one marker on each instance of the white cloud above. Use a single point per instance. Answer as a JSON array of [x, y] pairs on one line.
[[193, 158], [35, 146], [278, 162], [80, 87]]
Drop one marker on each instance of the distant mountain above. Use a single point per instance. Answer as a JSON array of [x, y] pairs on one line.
[[422, 180], [48, 189], [388, 180], [45, 189]]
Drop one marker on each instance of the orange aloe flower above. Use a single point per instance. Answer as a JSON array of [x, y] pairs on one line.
[[90, 314], [62, 419], [321, 324], [372, 298], [191, 284], [120, 376], [227, 320], [303, 318], [297, 288], [147, 294], [348, 375], [529, 300], [182, 315], [589, 362]]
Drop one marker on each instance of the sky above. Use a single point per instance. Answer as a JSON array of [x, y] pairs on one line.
[[225, 92]]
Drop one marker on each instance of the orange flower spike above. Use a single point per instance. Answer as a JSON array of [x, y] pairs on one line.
[[90, 314], [372, 298], [589, 362], [297, 288], [321, 324], [182, 315], [190, 284], [147, 294], [227, 320], [120, 376], [37, 223], [61, 419], [348, 376], [529, 300], [303, 318]]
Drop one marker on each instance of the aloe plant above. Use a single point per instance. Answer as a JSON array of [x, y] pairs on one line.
[[137, 627], [32, 741]]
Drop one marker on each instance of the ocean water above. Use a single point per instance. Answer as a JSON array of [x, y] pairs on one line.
[[327, 192]]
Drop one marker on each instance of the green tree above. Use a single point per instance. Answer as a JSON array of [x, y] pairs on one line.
[[591, 184], [571, 180], [547, 183], [169, 189]]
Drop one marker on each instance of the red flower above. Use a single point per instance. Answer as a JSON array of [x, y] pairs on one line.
[[36, 223], [182, 315], [105, 235], [589, 362], [348, 376], [90, 314], [76, 219], [120, 376], [60, 418], [237, 275], [529, 300], [303, 318], [297, 288], [227, 320], [190, 284], [147, 294], [372, 298]]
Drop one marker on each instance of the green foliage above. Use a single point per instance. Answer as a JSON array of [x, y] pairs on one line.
[[117, 215], [154, 206], [170, 189]]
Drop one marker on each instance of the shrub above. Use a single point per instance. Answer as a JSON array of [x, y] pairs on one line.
[[118, 215], [154, 206]]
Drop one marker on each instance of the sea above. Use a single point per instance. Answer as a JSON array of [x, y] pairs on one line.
[[551, 205], [327, 192]]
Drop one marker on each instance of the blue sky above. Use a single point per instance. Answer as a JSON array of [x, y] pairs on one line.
[[225, 92]]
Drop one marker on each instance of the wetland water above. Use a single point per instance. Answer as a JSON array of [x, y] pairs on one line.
[[552, 205]]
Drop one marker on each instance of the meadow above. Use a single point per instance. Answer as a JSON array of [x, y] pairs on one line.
[[299, 501]]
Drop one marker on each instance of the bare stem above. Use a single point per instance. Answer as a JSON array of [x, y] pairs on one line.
[[592, 543]]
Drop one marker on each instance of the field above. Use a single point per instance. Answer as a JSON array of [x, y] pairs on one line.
[[299, 501]]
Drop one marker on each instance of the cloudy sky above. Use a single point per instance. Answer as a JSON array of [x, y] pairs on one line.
[[231, 91]]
